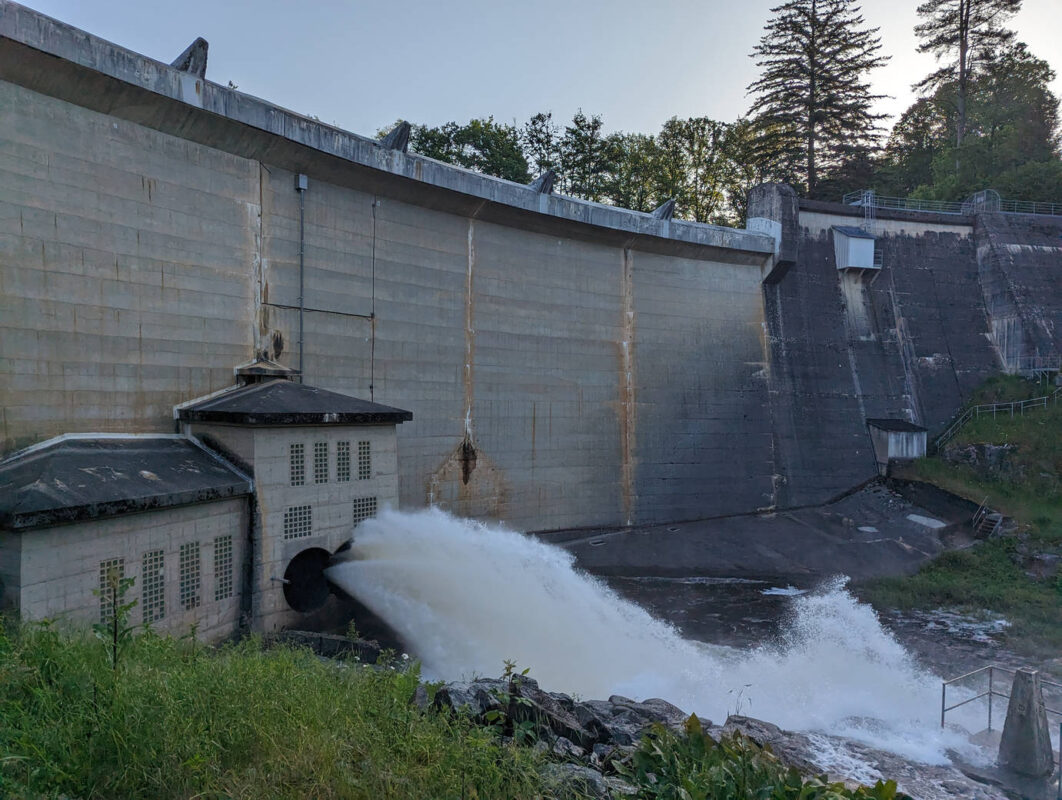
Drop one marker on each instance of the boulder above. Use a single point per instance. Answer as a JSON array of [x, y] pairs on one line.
[[792, 749], [420, 698], [622, 721], [475, 697], [550, 714], [572, 780], [567, 750]]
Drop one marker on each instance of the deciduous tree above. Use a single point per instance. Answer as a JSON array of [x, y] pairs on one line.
[[961, 33]]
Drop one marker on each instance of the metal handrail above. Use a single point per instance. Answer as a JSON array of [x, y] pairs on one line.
[[995, 409], [986, 200], [989, 693], [1052, 363]]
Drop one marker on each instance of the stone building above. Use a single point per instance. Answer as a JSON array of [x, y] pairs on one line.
[[322, 462], [228, 524]]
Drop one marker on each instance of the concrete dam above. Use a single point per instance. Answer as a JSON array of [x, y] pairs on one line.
[[566, 364]]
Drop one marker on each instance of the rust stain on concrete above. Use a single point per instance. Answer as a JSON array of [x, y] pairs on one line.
[[627, 400], [470, 333], [478, 489]]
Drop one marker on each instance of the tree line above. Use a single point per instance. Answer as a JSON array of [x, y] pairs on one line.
[[985, 118]]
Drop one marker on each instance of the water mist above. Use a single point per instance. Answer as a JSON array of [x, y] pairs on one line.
[[466, 596]]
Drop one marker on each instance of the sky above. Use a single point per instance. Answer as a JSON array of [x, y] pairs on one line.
[[363, 65]]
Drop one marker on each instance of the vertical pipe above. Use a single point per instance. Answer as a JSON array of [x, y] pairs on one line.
[[300, 187], [990, 698], [943, 701]]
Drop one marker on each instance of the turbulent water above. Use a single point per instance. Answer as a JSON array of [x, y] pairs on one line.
[[466, 596]]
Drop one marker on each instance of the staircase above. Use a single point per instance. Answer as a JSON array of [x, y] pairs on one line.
[[986, 522]]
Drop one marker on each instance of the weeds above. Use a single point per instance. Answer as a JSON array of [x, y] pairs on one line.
[[694, 766], [234, 722]]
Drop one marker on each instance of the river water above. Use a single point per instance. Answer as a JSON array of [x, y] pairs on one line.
[[467, 596]]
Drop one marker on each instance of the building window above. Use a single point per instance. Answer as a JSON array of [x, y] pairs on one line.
[[364, 461], [298, 522], [153, 586], [112, 571], [320, 462], [342, 461], [364, 507], [223, 568], [189, 575], [298, 465]]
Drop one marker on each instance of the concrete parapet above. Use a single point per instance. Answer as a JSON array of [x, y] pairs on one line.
[[1026, 744], [774, 210]]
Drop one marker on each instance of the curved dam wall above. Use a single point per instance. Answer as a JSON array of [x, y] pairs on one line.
[[567, 364]]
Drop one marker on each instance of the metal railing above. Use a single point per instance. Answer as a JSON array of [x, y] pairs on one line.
[[1052, 363], [990, 692], [865, 197], [996, 409], [986, 520], [987, 200]]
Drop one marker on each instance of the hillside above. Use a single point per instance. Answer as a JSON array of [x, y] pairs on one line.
[[1015, 465]]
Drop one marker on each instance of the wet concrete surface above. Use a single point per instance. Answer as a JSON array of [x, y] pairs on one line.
[[872, 532]]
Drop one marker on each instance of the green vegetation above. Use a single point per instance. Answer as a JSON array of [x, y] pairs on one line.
[[173, 720], [693, 766], [1025, 484], [985, 118]]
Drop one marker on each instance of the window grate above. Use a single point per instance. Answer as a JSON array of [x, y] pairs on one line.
[[223, 567], [364, 461], [298, 464], [320, 462], [364, 507], [342, 461], [298, 522], [153, 582], [112, 571], [189, 575]]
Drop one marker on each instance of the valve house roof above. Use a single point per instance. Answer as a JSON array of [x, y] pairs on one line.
[[83, 477], [283, 402], [896, 425]]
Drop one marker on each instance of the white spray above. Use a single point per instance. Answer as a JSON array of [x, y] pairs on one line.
[[467, 596]]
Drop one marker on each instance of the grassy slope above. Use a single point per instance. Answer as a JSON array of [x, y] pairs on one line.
[[991, 575], [179, 721], [239, 722]]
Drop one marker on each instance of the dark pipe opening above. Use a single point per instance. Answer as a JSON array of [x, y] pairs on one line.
[[305, 586], [370, 626]]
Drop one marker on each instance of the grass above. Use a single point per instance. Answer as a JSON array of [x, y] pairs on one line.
[[1028, 489], [176, 720], [237, 722]]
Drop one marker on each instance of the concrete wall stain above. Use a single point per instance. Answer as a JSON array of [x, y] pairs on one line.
[[628, 409]]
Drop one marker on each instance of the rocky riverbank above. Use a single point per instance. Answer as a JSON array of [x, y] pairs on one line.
[[593, 741]]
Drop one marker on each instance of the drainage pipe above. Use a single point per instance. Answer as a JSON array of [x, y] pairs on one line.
[[301, 183]]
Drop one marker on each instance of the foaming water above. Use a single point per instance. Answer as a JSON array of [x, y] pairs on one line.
[[466, 596]]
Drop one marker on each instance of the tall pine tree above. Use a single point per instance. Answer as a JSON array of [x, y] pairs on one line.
[[963, 33], [812, 95]]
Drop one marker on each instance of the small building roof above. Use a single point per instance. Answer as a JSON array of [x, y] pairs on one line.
[[853, 232], [262, 368], [81, 477], [283, 402], [896, 425]]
